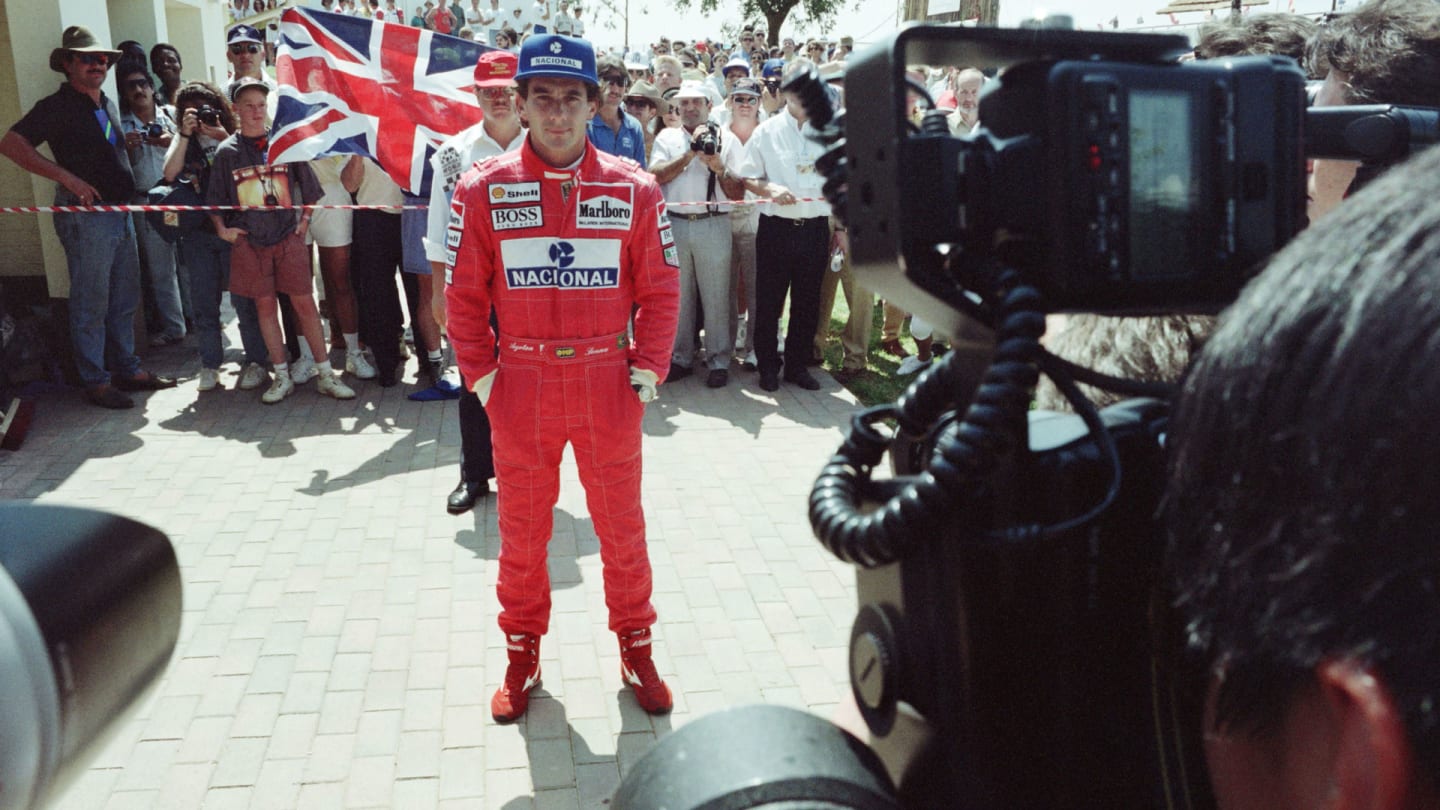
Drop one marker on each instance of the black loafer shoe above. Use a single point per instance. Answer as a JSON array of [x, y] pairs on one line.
[[107, 396], [717, 378], [803, 379], [678, 373], [770, 381], [144, 381], [463, 499]]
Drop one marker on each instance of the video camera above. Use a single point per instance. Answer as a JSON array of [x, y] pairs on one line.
[[1014, 645]]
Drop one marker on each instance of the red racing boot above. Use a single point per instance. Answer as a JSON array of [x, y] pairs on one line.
[[637, 671], [513, 697]]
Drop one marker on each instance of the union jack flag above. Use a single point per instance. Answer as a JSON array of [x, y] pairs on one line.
[[350, 85]]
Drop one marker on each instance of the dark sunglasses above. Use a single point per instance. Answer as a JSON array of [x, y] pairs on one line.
[[619, 81], [101, 59], [244, 48], [639, 104], [135, 84], [687, 65]]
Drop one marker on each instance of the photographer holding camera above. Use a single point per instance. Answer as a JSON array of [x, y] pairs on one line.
[[149, 129], [689, 163]]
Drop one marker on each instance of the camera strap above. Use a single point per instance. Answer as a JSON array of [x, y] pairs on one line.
[[710, 194]]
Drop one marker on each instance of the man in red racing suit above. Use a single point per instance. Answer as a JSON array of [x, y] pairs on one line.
[[564, 255]]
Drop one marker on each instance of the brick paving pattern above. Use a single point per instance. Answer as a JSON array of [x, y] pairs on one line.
[[338, 645]]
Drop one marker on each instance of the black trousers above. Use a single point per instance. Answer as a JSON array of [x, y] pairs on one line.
[[375, 257], [477, 455], [790, 257]]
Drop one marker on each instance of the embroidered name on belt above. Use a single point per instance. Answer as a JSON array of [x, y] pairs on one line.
[[575, 264]]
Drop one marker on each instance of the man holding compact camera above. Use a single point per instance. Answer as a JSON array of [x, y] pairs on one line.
[[690, 169], [149, 130]]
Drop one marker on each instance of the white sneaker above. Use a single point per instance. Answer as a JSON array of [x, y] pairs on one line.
[[252, 377], [357, 366], [330, 386], [303, 371], [280, 387], [910, 365], [209, 378]]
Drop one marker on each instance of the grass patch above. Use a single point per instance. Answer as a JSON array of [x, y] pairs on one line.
[[878, 383]]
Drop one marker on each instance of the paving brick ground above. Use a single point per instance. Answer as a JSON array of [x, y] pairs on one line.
[[339, 645]]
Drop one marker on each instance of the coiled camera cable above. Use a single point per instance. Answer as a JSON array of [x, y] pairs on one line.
[[966, 450]]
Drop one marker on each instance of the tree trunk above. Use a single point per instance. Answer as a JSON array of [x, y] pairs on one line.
[[773, 21]]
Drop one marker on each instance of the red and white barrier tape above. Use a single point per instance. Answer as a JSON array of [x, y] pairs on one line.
[[128, 209]]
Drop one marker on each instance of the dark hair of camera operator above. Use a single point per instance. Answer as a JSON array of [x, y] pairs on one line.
[[1384, 52], [1302, 512], [1282, 34], [1387, 50]]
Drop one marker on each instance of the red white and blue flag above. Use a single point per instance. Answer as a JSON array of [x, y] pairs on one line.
[[350, 85]]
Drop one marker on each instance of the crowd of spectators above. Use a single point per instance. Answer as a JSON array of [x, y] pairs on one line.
[[657, 108]]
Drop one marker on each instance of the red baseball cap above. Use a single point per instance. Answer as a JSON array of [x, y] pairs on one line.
[[496, 69]]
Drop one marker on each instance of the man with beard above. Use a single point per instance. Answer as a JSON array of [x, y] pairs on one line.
[[967, 102]]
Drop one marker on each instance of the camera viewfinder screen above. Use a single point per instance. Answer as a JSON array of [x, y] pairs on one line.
[[1164, 182]]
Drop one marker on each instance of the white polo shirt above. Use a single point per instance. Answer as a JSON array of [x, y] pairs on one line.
[[780, 151], [455, 157], [691, 184]]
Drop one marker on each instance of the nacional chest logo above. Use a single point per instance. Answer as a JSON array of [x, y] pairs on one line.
[[608, 206], [561, 264]]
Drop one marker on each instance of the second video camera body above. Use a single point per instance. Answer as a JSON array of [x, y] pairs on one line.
[[1123, 180]]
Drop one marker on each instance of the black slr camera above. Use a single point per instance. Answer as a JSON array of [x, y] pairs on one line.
[[706, 140], [153, 131], [209, 116], [1014, 644]]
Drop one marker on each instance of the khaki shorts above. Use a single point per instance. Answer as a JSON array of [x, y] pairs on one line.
[[260, 272], [331, 227]]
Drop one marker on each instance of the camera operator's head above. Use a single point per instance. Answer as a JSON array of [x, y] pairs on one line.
[[1302, 509], [793, 102], [1256, 34], [1384, 52]]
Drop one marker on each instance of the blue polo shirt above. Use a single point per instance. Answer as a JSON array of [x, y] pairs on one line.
[[628, 142]]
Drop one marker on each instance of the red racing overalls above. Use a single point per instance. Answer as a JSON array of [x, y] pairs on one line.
[[565, 257]]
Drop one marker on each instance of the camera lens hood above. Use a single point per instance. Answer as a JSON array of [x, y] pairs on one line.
[[90, 608]]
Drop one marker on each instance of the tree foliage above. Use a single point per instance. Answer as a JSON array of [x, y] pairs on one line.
[[775, 12]]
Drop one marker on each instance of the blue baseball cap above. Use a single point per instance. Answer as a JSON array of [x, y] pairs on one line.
[[556, 56], [773, 68]]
